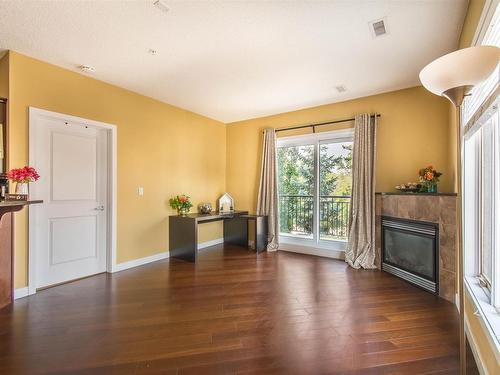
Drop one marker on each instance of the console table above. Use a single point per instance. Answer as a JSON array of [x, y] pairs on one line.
[[6, 249], [183, 232]]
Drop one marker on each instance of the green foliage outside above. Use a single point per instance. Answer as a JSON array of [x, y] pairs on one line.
[[296, 188]]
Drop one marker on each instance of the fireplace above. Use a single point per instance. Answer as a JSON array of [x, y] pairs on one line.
[[410, 250]]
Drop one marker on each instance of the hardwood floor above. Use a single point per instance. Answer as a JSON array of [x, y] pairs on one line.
[[232, 313]]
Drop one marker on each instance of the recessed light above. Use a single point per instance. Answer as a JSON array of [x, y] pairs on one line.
[[340, 89], [161, 6], [87, 68], [152, 51]]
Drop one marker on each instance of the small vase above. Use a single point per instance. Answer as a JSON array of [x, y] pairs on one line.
[[182, 211], [432, 188], [22, 188]]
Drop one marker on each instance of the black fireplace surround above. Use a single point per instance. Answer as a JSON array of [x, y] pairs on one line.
[[410, 250]]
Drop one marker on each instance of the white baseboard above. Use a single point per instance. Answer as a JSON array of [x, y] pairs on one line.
[[204, 245], [21, 292], [159, 256], [327, 253], [140, 261]]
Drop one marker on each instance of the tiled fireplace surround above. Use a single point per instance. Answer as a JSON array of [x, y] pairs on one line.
[[435, 208]]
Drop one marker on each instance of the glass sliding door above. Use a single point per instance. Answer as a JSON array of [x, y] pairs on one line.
[[335, 185], [296, 190], [315, 182]]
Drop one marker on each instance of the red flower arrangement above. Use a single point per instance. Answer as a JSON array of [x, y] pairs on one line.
[[181, 203], [23, 175]]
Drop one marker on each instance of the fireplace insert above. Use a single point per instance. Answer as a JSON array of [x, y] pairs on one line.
[[410, 250]]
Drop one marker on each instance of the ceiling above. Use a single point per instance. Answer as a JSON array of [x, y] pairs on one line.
[[235, 60]]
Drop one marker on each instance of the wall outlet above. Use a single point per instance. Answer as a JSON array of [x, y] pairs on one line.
[[140, 191]]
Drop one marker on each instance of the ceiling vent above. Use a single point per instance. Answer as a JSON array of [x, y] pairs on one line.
[[378, 27], [161, 6]]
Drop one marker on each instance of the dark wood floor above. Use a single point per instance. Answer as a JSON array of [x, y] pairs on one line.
[[232, 313]]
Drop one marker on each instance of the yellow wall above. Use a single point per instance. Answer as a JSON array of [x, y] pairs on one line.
[[474, 11], [4, 76], [165, 149], [412, 133]]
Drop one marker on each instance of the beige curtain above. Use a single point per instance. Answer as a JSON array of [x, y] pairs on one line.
[[360, 250], [267, 202]]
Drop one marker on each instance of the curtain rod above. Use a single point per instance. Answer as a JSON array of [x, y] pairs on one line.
[[319, 124]]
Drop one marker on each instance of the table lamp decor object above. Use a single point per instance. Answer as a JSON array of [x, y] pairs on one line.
[[225, 204]]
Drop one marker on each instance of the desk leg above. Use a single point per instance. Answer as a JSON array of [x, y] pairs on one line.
[[260, 234], [183, 238], [236, 231]]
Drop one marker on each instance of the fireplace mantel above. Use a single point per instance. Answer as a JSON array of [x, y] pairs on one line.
[[439, 208]]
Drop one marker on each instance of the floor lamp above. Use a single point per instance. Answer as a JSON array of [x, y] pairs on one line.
[[453, 76]]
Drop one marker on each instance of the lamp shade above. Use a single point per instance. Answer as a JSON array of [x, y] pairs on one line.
[[464, 68]]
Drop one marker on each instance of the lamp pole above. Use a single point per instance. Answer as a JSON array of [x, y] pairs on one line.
[[453, 76], [456, 96], [459, 223]]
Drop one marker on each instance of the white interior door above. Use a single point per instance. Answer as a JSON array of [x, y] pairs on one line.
[[71, 225]]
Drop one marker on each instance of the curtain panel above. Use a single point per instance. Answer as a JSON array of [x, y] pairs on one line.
[[267, 202], [360, 252]]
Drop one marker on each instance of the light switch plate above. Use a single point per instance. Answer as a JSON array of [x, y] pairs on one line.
[[140, 191]]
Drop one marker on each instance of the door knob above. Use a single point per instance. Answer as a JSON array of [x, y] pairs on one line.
[[99, 208]]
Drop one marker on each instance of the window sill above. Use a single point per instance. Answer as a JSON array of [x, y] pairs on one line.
[[335, 249], [486, 313]]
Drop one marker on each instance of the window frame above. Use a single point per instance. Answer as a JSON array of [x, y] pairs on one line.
[[316, 139], [484, 295], [484, 298]]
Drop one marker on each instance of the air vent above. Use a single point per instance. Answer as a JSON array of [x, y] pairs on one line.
[[378, 27], [161, 6], [87, 68], [340, 89]]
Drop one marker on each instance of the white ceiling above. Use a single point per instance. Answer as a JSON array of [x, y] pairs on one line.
[[234, 60]]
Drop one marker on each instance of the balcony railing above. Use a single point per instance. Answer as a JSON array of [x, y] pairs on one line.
[[297, 216]]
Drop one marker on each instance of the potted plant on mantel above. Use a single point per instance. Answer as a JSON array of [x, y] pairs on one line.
[[23, 177], [181, 203], [429, 179]]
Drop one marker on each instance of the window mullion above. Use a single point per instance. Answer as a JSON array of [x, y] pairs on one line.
[[316, 234], [495, 288]]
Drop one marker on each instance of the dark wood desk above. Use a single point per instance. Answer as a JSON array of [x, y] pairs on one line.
[[183, 232]]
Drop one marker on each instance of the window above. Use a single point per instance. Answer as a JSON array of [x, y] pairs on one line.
[[482, 91], [488, 144], [481, 191], [314, 182]]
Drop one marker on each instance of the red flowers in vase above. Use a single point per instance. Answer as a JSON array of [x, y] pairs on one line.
[[23, 175], [429, 178]]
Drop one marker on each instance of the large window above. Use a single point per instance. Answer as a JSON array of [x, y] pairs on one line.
[[481, 187], [314, 180]]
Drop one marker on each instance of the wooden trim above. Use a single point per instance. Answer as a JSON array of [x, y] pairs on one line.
[[5, 138], [112, 188]]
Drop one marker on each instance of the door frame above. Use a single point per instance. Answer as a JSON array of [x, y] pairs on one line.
[[315, 245], [34, 114]]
